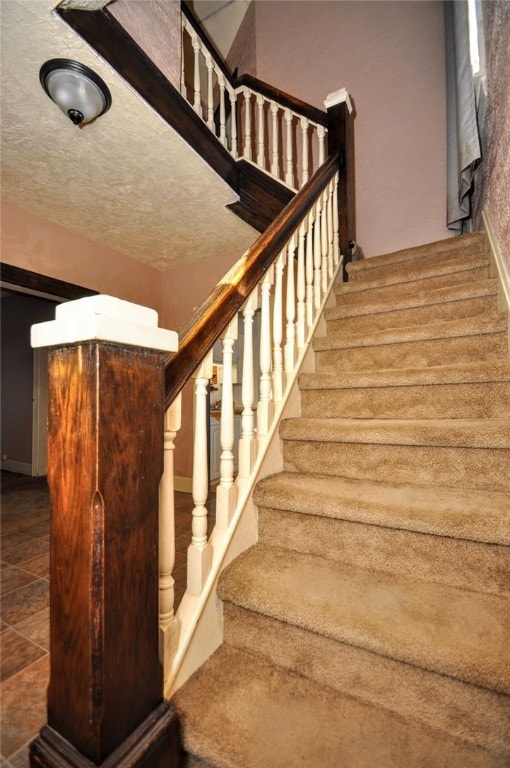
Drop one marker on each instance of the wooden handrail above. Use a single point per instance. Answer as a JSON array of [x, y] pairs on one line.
[[284, 99], [201, 32], [206, 324]]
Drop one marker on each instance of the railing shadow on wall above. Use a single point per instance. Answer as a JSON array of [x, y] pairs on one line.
[[114, 415]]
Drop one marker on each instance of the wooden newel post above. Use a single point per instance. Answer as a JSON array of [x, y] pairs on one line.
[[341, 139], [105, 455]]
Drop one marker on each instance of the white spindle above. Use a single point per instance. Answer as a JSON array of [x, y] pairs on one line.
[[335, 220], [260, 131], [309, 271], [247, 443], [221, 83], [247, 123], [210, 104], [304, 130], [167, 621], [324, 242], [226, 493], [278, 329], [289, 175], [196, 72], [290, 311], [275, 165], [331, 249], [321, 133], [317, 254], [265, 404], [233, 123], [301, 289], [200, 550]]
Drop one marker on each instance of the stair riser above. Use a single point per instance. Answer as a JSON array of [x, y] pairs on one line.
[[468, 712], [418, 269], [402, 464], [452, 310], [414, 354], [441, 559], [445, 401], [354, 292]]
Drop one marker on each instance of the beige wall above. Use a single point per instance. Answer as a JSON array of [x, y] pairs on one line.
[[494, 194], [156, 27], [31, 242], [390, 56]]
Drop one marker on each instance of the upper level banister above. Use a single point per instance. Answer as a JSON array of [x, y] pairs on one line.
[[201, 32], [206, 324], [282, 98]]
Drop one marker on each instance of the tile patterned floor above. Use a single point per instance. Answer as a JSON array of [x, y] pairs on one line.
[[24, 628]]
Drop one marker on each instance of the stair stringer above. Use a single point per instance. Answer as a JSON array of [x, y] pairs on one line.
[[200, 618]]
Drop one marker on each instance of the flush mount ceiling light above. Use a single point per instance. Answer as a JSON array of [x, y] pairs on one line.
[[76, 89]]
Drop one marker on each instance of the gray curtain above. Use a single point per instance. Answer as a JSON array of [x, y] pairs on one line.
[[463, 140]]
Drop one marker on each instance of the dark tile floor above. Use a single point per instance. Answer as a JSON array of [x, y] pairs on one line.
[[24, 628]]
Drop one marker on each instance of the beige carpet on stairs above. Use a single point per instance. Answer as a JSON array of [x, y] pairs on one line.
[[370, 626]]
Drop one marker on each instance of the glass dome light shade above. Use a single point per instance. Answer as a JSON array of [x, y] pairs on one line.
[[77, 90]]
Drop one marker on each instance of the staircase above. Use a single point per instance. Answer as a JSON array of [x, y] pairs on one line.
[[370, 625]]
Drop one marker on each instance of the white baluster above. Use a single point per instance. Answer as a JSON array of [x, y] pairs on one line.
[[289, 175], [278, 329], [221, 82], [196, 71], [265, 404], [183, 76], [247, 123], [168, 627], [290, 311], [233, 123], [260, 129], [226, 493], [324, 242], [335, 220], [304, 130], [200, 550], [309, 271], [331, 248], [321, 133], [317, 255], [275, 165], [301, 289], [247, 443], [210, 104]]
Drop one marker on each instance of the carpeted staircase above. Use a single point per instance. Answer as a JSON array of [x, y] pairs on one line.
[[370, 626]]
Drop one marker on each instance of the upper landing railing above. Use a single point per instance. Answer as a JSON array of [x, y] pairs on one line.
[[283, 136]]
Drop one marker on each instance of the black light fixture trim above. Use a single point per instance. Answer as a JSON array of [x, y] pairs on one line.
[[69, 65]]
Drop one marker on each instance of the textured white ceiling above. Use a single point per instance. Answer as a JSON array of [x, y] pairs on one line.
[[127, 180]]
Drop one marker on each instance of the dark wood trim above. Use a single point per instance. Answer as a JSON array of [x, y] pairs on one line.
[[341, 140], [42, 284], [201, 32], [208, 321], [285, 99], [104, 33]]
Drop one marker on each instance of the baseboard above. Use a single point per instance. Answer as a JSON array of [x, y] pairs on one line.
[[503, 269], [183, 484], [21, 467]]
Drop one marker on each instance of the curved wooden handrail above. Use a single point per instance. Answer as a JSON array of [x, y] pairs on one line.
[[284, 99], [206, 324]]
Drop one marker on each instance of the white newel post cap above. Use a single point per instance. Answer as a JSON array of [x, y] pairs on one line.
[[337, 97], [104, 318]]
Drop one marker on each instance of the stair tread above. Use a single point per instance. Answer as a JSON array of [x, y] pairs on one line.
[[415, 284], [461, 373], [466, 326], [264, 715], [469, 242], [419, 269], [448, 630], [469, 290], [482, 516], [466, 433]]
